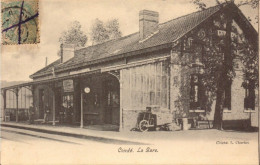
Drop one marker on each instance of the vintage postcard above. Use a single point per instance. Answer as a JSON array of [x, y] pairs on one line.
[[129, 82]]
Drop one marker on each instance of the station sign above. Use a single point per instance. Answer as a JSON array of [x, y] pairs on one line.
[[68, 85], [222, 33]]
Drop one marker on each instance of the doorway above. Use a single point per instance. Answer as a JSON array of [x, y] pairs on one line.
[[112, 101], [68, 107], [41, 103]]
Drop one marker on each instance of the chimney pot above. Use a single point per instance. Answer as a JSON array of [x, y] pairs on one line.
[[148, 23], [67, 52]]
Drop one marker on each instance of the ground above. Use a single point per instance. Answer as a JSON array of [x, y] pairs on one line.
[[193, 146]]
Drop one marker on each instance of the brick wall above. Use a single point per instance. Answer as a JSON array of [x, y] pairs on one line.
[[180, 85], [237, 111]]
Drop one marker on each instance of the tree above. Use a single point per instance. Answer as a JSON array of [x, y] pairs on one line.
[[74, 35], [219, 60], [202, 5], [112, 27], [101, 32]]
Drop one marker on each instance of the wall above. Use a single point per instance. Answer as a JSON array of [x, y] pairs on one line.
[[142, 86], [237, 111], [238, 115], [181, 59]]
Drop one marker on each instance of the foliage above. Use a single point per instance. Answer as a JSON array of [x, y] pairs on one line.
[[112, 27], [249, 57], [220, 60], [201, 4], [74, 35], [101, 32]]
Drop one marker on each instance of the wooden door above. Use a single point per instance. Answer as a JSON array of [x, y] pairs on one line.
[[112, 101]]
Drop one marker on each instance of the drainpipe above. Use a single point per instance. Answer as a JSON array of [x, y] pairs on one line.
[[4, 107], [81, 109], [121, 102], [53, 115], [16, 93]]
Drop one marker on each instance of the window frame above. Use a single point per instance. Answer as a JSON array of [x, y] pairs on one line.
[[249, 100], [227, 100], [200, 92]]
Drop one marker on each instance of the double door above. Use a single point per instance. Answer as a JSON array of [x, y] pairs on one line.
[[67, 110], [112, 102]]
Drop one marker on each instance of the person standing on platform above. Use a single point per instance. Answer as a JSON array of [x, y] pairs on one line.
[[62, 114], [31, 114], [70, 114], [46, 113]]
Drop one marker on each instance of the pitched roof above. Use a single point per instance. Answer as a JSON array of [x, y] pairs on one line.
[[168, 32], [47, 68]]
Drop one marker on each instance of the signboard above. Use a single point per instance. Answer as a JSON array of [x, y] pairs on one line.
[[68, 86], [222, 33]]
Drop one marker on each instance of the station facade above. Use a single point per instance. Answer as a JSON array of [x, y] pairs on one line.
[[160, 66]]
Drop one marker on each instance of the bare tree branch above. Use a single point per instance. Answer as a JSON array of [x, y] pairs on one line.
[[200, 4], [217, 1], [253, 3]]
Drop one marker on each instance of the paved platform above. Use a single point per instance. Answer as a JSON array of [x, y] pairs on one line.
[[74, 131], [135, 137]]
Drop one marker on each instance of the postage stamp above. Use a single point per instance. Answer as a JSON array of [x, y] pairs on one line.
[[20, 22]]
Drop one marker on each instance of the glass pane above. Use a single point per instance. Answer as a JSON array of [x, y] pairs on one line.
[[152, 83], [164, 99], [196, 93], [158, 98], [159, 68], [152, 98], [158, 83], [164, 82], [195, 79]]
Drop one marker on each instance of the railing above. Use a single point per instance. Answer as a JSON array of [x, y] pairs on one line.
[[10, 114]]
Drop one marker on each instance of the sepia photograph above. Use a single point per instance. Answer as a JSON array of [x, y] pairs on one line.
[[129, 82]]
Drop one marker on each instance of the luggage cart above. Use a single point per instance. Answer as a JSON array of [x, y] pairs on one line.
[[147, 120]]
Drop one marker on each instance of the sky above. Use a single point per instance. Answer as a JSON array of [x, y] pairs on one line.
[[20, 61]]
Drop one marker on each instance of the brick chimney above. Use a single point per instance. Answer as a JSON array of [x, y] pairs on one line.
[[148, 23], [67, 52]]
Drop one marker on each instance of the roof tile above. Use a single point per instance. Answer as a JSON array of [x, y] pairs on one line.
[[168, 32]]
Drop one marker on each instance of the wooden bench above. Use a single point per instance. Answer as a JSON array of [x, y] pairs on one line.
[[204, 124]]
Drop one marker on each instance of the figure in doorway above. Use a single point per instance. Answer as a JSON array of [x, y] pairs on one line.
[[31, 114], [69, 114], [46, 113], [62, 114]]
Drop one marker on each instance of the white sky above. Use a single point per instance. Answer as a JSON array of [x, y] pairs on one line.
[[18, 62]]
